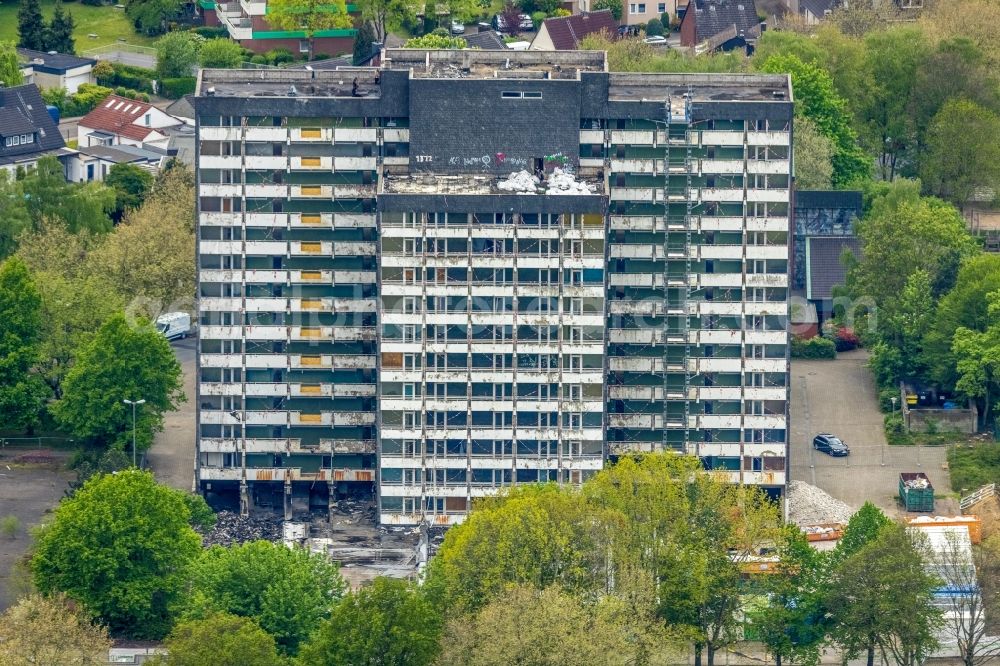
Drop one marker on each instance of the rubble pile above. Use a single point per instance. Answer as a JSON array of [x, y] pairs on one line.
[[563, 182], [920, 482], [519, 182], [231, 528], [809, 505]]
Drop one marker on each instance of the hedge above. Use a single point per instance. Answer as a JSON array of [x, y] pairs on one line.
[[813, 348], [177, 88], [129, 76]]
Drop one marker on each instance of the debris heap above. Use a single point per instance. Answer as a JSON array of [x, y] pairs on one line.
[[519, 182], [563, 182], [231, 528], [560, 181], [809, 505]]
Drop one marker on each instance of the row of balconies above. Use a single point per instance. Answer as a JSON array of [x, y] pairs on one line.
[[284, 191], [696, 365], [697, 223], [285, 445], [293, 248], [523, 290], [288, 390], [648, 336], [699, 280], [520, 461], [699, 166], [303, 134], [526, 404], [291, 361], [289, 220], [286, 418], [656, 307], [479, 375], [290, 333], [657, 195], [323, 277], [206, 473], [590, 433], [491, 347], [497, 231], [698, 252], [651, 137], [418, 260], [495, 319], [217, 304]]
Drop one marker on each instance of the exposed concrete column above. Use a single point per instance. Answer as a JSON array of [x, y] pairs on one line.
[[244, 499], [331, 501], [288, 499]]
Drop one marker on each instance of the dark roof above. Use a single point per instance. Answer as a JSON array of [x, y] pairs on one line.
[[111, 154], [181, 108], [484, 41], [715, 16], [824, 269], [23, 111], [819, 8], [848, 199], [52, 63], [567, 31]]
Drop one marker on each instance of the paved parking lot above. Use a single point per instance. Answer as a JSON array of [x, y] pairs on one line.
[[839, 397], [172, 455]]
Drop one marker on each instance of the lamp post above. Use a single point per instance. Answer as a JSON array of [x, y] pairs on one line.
[[133, 403]]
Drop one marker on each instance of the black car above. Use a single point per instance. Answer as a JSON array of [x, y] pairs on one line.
[[831, 444]]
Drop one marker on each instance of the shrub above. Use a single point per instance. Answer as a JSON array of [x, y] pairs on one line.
[[221, 54], [654, 28], [537, 18], [895, 432], [10, 526], [127, 76], [177, 88], [813, 348], [279, 56], [435, 42], [560, 12], [209, 32], [885, 396], [665, 19], [846, 339]]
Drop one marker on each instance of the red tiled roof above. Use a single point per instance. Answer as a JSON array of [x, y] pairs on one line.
[[117, 115], [567, 31]]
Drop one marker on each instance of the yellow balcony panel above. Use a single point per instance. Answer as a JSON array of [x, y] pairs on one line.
[[311, 247], [312, 275], [311, 218], [311, 161], [311, 133], [593, 220], [311, 389], [311, 360], [310, 418], [312, 304], [311, 191], [311, 332]]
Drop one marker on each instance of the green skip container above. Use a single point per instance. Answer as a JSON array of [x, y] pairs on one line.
[[916, 492]]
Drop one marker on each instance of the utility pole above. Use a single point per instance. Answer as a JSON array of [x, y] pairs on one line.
[[134, 403]]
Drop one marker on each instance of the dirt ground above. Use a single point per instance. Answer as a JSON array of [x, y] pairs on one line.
[[28, 490], [839, 397]]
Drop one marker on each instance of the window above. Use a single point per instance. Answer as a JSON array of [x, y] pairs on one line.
[[517, 94], [303, 46], [661, 7]]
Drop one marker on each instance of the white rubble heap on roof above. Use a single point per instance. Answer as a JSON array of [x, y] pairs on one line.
[[560, 181], [809, 505]]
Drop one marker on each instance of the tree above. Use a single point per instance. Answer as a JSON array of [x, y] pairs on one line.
[[48, 630], [14, 218], [966, 305], [177, 54], [150, 17], [432, 41], [790, 624], [817, 100], [977, 360], [309, 17], [10, 67], [389, 623], [130, 183], [900, 235], [864, 527], [59, 34], [220, 640], [510, 18], [881, 598], [288, 591], [383, 16], [963, 151], [363, 42], [149, 259], [30, 26], [76, 301], [541, 627], [615, 6], [21, 390], [971, 573], [221, 54], [654, 27], [124, 361], [119, 546], [813, 157], [79, 206]]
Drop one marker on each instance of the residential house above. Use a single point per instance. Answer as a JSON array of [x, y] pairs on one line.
[[118, 120], [639, 13], [565, 32], [814, 11], [247, 24], [56, 70], [94, 162], [486, 40], [27, 131], [720, 25]]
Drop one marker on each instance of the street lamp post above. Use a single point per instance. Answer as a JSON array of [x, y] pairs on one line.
[[133, 403]]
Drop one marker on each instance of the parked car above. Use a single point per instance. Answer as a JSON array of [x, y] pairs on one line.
[[658, 40], [457, 28], [526, 23], [174, 325], [830, 444]]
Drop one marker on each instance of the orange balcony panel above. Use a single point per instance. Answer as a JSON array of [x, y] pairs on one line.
[[312, 360]]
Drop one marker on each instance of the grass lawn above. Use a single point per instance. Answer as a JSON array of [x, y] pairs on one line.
[[973, 465], [106, 22]]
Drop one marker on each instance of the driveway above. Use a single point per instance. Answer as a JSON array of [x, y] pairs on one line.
[[172, 455], [839, 397]]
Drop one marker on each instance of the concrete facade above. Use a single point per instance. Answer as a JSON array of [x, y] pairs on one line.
[[381, 313]]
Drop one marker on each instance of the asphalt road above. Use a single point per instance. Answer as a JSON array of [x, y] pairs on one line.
[[839, 397], [172, 455]]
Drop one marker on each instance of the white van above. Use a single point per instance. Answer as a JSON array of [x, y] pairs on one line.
[[174, 325]]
